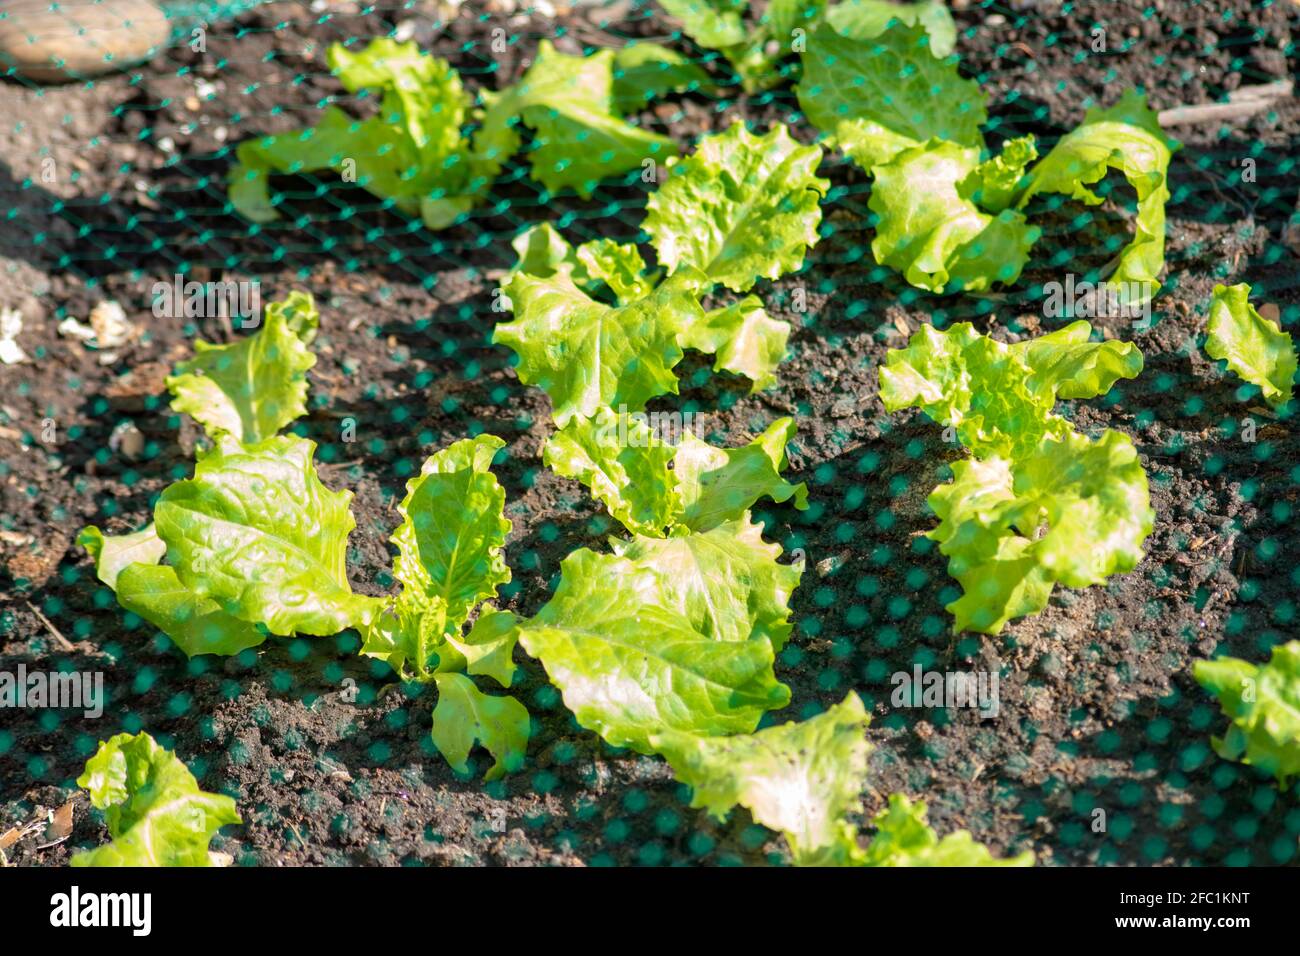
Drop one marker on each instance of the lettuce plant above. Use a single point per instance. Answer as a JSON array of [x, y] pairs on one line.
[[413, 153], [678, 628], [594, 328], [449, 564], [1263, 705], [156, 813], [805, 781], [418, 153], [1254, 347], [1038, 504], [252, 388], [951, 215]]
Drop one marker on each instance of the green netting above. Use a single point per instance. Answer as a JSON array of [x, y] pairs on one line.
[[328, 756]]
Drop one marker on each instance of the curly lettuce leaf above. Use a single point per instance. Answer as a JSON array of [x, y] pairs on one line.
[[412, 153], [464, 715], [742, 207], [903, 838], [726, 581], [880, 96], [257, 532], [1254, 347], [1263, 705], [995, 183], [593, 266], [802, 779], [618, 265], [129, 564], [586, 354], [1073, 511], [743, 339], [251, 388], [578, 137], [1000, 397], [156, 813], [721, 484], [867, 19], [1067, 364], [629, 664], [624, 465], [1126, 137], [449, 561], [453, 529], [937, 239], [410, 634]]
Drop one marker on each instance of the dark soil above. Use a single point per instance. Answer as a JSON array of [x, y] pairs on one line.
[[1098, 707]]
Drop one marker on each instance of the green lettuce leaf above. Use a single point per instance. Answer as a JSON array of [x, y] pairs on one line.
[[803, 779], [623, 464], [721, 484], [578, 138], [488, 648], [156, 813], [410, 635], [880, 96], [647, 71], [1126, 137], [1000, 397], [626, 467], [1254, 347], [449, 561], [932, 235], [713, 24], [726, 581], [129, 564], [453, 529], [628, 664], [903, 838], [1073, 511], [743, 339], [593, 266], [464, 714], [251, 388], [412, 153], [742, 207], [1263, 704], [867, 19], [257, 532], [618, 266], [995, 183], [586, 354], [113, 553]]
